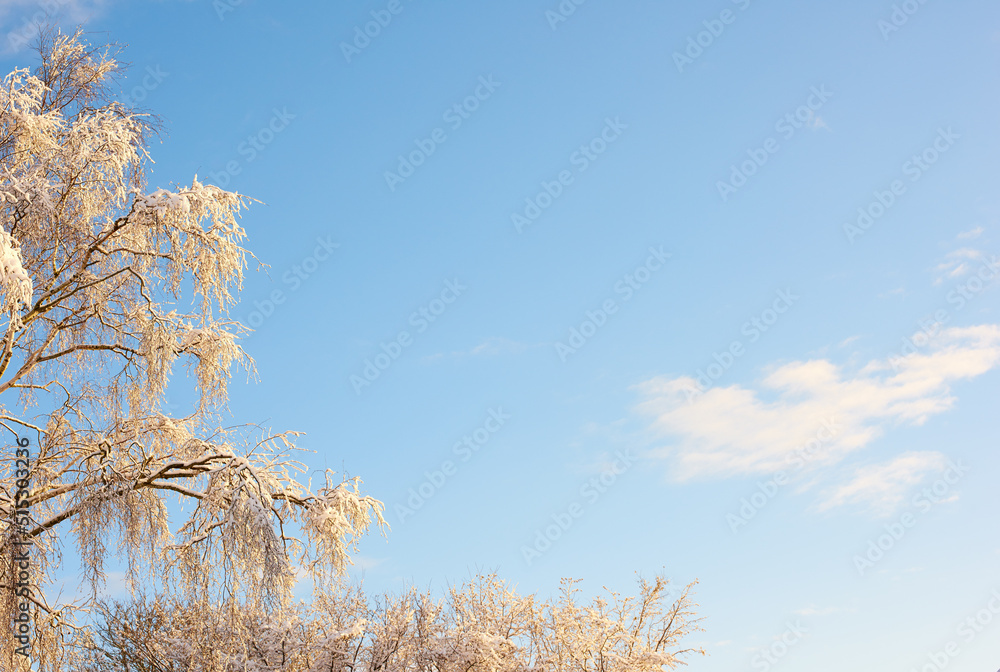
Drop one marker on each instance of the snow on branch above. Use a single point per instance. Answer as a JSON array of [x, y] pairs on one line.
[[15, 284]]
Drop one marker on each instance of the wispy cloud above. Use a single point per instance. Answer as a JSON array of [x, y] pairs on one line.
[[815, 122], [491, 347], [883, 487], [115, 585], [971, 234], [825, 611], [899, 291], [21, 19], [499, 346], [956, 264], [736, 430], [364, 562]]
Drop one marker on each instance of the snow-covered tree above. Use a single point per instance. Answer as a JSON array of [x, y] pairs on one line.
[[481, 626], [106, 288]]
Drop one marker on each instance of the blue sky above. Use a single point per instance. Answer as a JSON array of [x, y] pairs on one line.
[[689, 214]]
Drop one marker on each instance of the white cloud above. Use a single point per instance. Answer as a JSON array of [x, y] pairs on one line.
[[883, 487], [816, 122], [814, 611], [497, 345], [738, 430], [364, 562], [20, 19], [115, 585], [971, 234], [956, 264], [491, 347]]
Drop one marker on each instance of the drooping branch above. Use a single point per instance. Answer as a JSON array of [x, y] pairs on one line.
[[106, 286]]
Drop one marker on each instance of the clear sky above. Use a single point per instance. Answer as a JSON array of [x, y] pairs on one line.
[[580, 215]]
